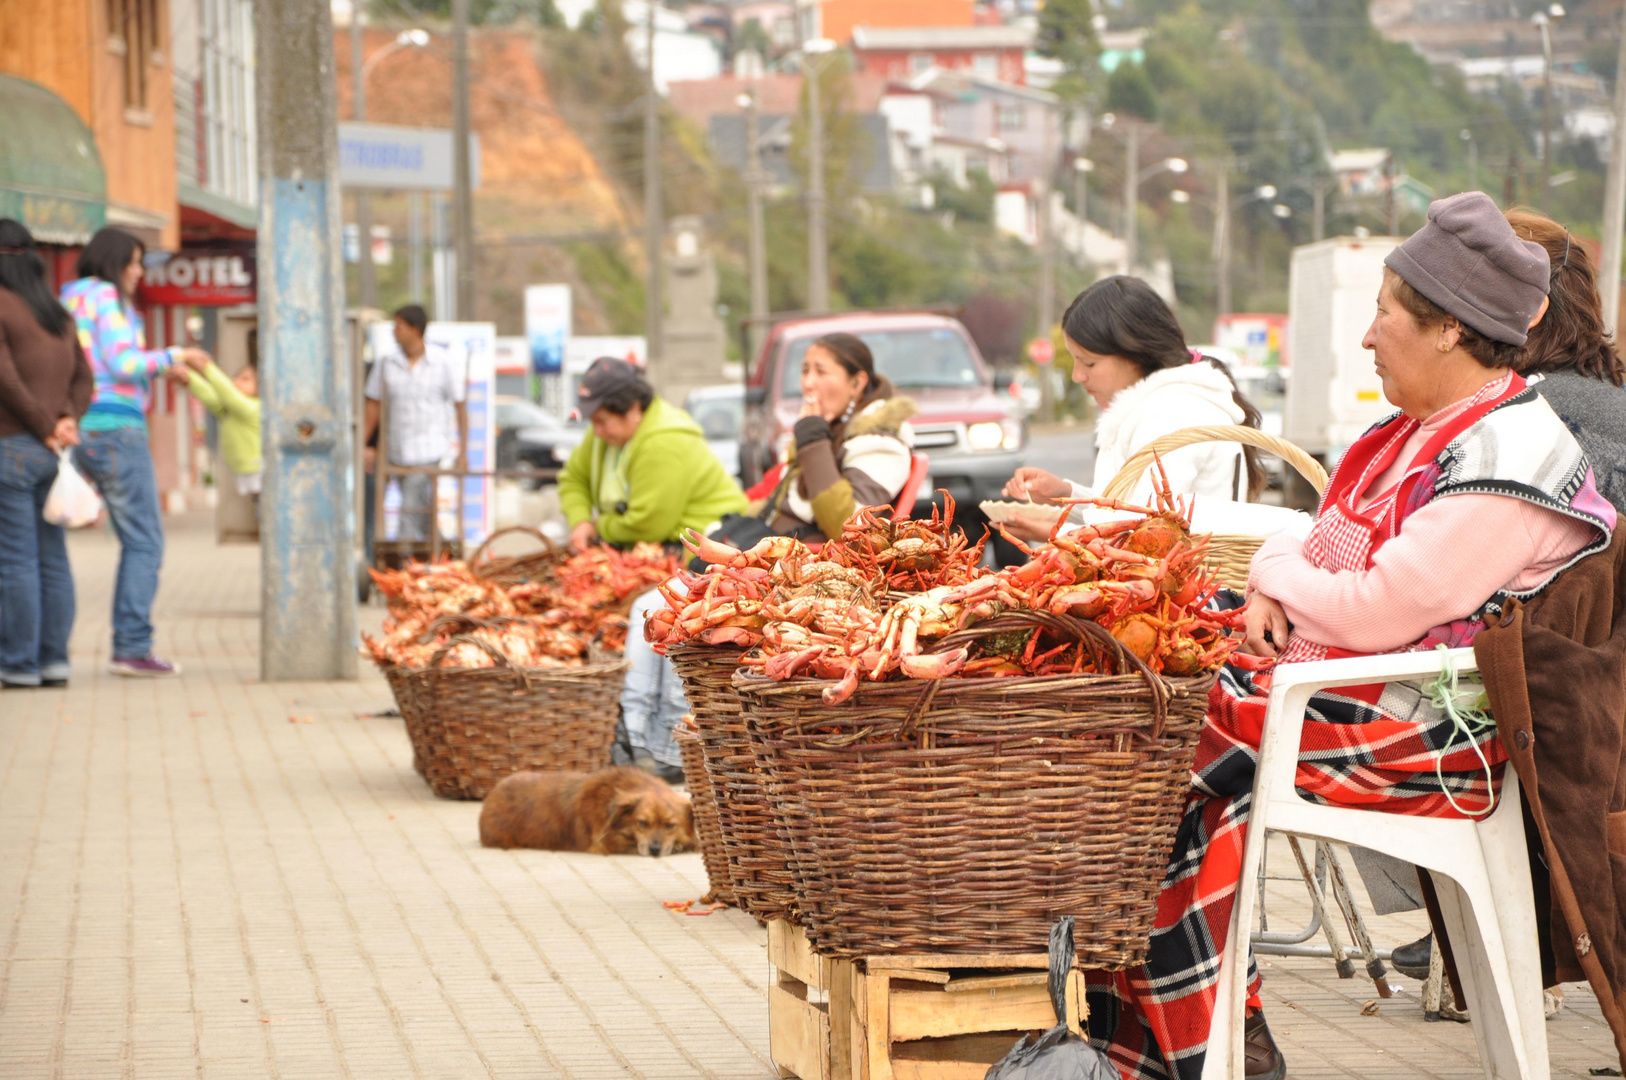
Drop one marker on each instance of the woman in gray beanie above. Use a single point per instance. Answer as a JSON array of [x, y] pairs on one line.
[[1398, 560]]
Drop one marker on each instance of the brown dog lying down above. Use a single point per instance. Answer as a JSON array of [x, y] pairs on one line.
[[618, 811]]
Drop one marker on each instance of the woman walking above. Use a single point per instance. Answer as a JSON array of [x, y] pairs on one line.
[[45, 384], [112, 450]]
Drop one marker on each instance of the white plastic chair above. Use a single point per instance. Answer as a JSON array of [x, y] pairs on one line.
[[1480, 866]]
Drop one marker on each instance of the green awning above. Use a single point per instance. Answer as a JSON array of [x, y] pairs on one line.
[[51, 175]]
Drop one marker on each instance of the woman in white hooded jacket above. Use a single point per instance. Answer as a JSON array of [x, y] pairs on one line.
[[1130, 355]]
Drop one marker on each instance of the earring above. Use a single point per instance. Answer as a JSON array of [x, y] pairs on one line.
[[848, 415], [1443, 347]]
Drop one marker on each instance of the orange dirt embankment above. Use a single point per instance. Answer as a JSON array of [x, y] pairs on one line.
[[536, 174]]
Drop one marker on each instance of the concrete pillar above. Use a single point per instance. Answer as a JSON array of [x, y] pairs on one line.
[[307, 549]]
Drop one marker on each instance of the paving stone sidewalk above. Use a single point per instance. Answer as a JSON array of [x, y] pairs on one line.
[[216, 877]]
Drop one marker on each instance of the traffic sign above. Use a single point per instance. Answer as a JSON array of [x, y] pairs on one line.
[[1041, 351]]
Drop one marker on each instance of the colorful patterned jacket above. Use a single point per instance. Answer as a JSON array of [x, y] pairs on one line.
[[113, 337]]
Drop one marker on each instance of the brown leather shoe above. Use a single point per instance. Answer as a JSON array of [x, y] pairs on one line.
[[1260, 1058]]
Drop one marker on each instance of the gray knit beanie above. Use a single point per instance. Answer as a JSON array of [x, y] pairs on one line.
[[1468, 260]]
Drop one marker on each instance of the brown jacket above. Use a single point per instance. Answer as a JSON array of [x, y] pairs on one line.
[[43, 377], [1555, 670]]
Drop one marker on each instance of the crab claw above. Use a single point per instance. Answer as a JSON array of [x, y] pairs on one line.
[[933, 665], [843, 689], [709, 550]]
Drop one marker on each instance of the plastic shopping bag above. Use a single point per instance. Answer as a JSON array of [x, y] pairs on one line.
[[1062, 1053], [71, 502]]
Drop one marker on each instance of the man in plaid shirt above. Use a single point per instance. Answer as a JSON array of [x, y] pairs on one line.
[[425, 384]]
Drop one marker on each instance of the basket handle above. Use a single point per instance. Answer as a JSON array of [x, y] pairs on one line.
[[1086, 631], [1120, 487], [548, 546], [496, 654]]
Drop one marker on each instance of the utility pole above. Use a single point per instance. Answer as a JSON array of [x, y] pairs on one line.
[[308, 545], [461, 179], [757, 250], [1318, 192], [415, 247], [366, 292], [1614, 206], [1544, 20], [1131, 195], [1473, 158], [654, 223], [1222, 238], [1391, 203], [1047, 274], [818, 273]]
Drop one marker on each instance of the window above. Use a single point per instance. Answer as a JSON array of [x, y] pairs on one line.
[[920, 62], [914, 359], [1012, 117], [135, 31], [985, 64]]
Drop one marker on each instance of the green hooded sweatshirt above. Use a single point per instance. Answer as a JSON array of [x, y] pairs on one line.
[[672, 481], [239, 417]]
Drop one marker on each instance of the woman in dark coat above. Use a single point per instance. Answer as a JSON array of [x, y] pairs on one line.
[[45, 386]]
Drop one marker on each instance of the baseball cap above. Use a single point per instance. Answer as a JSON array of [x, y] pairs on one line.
[[603, 377]]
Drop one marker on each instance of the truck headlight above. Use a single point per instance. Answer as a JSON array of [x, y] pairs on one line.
[[987, 435]]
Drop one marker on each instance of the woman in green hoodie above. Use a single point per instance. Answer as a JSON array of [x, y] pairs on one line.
[[645, 473]]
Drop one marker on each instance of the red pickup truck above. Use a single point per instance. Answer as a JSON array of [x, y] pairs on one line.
[[972, 434]]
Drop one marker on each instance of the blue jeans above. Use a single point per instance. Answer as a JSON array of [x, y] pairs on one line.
[[120, 465], [652, 700], [36, 584]]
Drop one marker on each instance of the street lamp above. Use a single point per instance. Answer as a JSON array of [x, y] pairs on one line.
[[1222, 230], [814, 53], [413, 39], [1544, 21], [1133, 177], [1473, 158]]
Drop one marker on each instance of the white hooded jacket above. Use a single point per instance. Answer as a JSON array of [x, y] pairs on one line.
[[1192, 395]]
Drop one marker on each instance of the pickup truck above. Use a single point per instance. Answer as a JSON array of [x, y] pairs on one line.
[[973, 435]]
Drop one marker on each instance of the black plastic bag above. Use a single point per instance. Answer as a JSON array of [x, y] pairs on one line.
[[1058, 1054]]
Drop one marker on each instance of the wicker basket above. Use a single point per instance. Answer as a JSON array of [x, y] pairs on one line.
[[400, 680], [471, 727], [758, 853], [706, 827], [966, 815], [517, 569], [1228, 555]]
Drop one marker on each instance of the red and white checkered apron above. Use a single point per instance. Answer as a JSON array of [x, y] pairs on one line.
[[1343, 538]]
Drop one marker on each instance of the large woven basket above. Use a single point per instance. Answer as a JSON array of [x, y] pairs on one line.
[[400, 680], [1228, 555], [757, 850], [470, 727], [706, 827], [967, 815]]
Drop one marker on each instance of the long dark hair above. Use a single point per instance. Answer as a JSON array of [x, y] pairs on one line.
[[1570, 337], [107, 255], [23, 272], [1121, 316]]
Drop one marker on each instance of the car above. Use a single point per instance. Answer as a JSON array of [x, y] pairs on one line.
[[528, 436], [973, 433], [720, 412]]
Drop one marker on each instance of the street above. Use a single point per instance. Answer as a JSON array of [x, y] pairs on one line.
[[218, 877]]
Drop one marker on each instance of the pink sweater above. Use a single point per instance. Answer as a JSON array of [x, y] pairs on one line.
[[1450, 556]]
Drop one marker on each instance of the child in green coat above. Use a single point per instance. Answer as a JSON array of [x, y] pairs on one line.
[[235, 402]]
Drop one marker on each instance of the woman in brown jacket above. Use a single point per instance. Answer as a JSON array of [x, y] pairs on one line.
[[45, 386]]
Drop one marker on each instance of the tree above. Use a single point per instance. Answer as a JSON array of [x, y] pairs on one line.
[[1130, 93], [1067, 33]]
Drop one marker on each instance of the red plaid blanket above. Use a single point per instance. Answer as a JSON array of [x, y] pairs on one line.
[[1364, 746]]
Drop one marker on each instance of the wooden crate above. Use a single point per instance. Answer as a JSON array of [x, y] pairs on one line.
[[917, 1017]]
